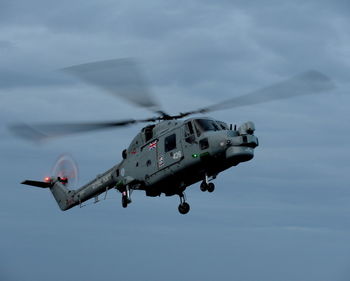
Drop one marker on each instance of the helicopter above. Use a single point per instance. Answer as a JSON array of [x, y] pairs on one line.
[[171, 152]]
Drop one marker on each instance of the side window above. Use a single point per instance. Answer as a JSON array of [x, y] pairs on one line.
[[170, 143], [189, 133], [188, 129], [148, 133], [197, 130], [203, 143]]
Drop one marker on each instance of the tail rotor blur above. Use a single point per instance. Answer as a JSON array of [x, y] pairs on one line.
[[66, 169]]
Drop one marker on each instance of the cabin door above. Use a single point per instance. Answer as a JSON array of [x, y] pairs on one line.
[[169, 149]]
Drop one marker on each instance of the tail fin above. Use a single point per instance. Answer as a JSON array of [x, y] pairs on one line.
[[61, 194], [58, 190], [42, 184]]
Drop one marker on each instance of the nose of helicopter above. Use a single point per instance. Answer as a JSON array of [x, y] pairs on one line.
[[239, 154], [241, 148]]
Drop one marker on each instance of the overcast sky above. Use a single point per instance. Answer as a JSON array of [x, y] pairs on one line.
[[284, 215]]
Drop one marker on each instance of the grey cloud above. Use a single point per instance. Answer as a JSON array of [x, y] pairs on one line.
[[6, 45], [281, 216], [211, 45]]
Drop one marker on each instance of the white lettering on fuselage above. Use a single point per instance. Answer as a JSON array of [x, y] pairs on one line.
[[100, 181], [177, 155]]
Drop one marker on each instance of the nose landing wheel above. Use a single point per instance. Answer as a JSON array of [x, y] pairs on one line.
[[210, 187], [203, 186]]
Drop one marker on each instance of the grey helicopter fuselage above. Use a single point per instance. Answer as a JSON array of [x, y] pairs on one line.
[[168, 157]]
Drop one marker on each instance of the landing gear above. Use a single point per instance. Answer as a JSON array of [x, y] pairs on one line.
[[184, 207], [126, 199], [206, 185], [203, 186], [211, 187]]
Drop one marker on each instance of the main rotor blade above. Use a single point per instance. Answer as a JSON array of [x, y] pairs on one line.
[[310, 82], [42, 132], [121, 77]]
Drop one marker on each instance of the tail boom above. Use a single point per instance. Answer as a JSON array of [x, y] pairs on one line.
[[67, 198]]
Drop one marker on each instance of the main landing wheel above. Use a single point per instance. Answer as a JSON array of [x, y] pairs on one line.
[[125, 201], [184, 208]]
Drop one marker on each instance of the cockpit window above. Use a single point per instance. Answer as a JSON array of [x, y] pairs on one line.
[[222, 125], [188, 129], [207, 125]]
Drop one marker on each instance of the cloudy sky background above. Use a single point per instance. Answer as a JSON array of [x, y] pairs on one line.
[[282, 216]]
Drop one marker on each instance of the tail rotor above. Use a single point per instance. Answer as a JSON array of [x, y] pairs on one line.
[[66, 170]]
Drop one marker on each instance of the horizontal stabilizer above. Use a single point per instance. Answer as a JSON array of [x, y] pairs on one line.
[[41, 184]]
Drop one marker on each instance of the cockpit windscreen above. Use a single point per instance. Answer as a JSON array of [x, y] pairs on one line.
[[207, 125]]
